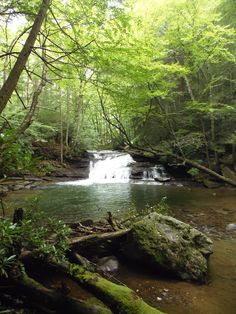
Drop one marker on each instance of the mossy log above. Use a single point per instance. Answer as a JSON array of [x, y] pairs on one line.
[[50, 300], [120, 299]]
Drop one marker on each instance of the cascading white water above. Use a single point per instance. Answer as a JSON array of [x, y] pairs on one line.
[[156, 172], [106, 167], [110, 167], [116, 167]]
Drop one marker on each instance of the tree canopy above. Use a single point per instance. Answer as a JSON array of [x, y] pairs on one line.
[[104, 74]]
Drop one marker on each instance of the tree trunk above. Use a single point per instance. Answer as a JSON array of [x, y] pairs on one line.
[[61, 136], [206, 170], [205, 142], [29, 117], [67, 119], [213, 139], [189, 88], [77, 120], [6, 61], [11, 82], [234, 155], [155, 154]]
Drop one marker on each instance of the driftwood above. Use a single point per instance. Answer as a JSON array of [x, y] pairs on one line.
[[112, 222], [93, 238], [80, 227]]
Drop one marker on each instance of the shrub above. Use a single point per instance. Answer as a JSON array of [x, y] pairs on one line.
[[47, 237]]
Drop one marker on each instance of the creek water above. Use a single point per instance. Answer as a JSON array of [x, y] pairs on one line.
[[209, 210]]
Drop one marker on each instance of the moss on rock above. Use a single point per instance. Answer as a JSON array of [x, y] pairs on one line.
[[167, 242]]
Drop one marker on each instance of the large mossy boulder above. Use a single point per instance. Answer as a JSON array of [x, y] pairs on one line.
[[166, 243]]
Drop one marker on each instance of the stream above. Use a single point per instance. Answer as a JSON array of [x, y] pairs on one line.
[[109, 188]]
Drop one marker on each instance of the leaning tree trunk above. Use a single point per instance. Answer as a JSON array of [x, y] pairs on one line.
[[206, 170], [156, 154], [11, 82]]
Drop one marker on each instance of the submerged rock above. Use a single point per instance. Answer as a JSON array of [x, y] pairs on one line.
[[107, 265], [163, 241], [231, 227]]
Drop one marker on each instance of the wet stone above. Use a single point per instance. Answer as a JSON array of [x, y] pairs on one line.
[[231, 227], [163, 241]]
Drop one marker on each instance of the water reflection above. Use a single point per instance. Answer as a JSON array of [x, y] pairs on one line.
[[212, 208]]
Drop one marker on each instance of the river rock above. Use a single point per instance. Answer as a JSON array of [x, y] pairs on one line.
[[210, 184], [167, 243], [138, 168], [162, 179], [107, 265], [231, 227], [228, 173]]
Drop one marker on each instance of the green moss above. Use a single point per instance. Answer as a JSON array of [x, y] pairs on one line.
[[119, 298], [148, 154], [164, 241], [95, 301]]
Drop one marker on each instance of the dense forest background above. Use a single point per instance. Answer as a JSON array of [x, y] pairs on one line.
[[104, 74]]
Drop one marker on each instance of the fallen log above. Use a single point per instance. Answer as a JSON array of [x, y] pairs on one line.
[[51, 300], [120, 299], [96, 237]]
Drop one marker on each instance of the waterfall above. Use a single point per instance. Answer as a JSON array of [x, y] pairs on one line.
[[110, 167], [118, 167], [157, 172]]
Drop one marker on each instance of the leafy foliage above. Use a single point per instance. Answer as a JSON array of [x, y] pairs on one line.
[[161, 208], [194, 172], [147, 73], [134, 214], [45, 237], [15, 155]]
